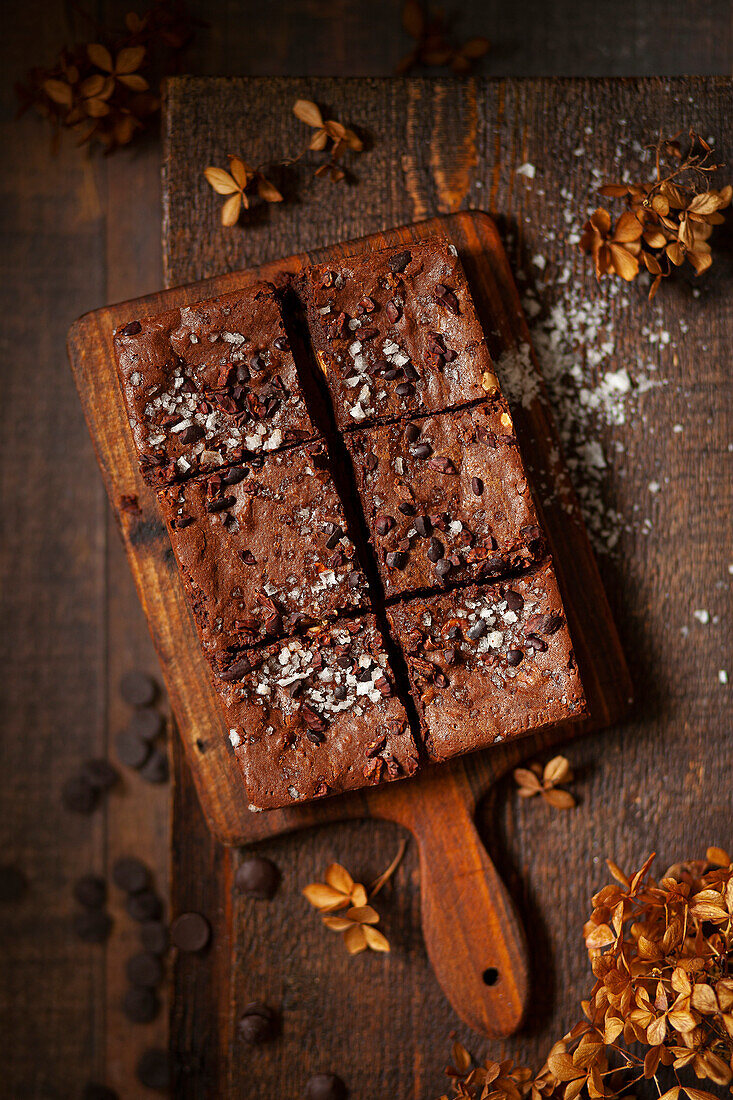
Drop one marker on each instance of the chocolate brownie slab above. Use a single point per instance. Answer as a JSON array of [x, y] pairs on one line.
[[446, 498], [263, 550], [395, 333], [318, 714], [487, 663], [207, 384]]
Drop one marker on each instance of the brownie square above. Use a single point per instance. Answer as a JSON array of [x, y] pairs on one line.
[[207, 384], [446, 498], [395, 333], [263, 550], [489, 663], [318, 714]]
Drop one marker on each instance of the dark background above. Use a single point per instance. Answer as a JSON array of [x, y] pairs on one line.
[[77, 231]]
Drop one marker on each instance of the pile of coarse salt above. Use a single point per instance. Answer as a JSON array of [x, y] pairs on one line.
[[576, 326]]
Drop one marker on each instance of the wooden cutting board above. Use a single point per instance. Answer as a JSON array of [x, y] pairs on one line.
[[475, 942]]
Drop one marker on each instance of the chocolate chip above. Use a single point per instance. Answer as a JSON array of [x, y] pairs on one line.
[[379, 366], [477, 486], [78, 795], [391, 373], [423, 526], [440, 462], [452, 656], [407, 508], [144, 969], [94, 1091], [258, 1023], [447, 298], [233, 475], [492, 566], [130, 874], [257, 877], [144, 906], [220, 504], [192, 433], [335, 538], [476, 630], [281, 343], [248, 557], [383, 525], [443, 567], [256, 363], [153, 1069], [399, 262], [92, 925], [410, 373], [514, 601], [13, 883], [146, 723], [236, 671], [543, 624], [154, 936], [536, 642], [132, 750], [156, 768], [412, 432], [422, 450], [90, 891], [397, 559], [405, 389], [140, 1005], [435, 550], [138, 689], [100, 774], [514, 657], [131, 328], [326, 1086]]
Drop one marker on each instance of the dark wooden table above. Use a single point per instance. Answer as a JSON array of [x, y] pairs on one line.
[[78, 232]]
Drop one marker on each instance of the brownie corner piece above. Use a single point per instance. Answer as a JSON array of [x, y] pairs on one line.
[[446, 498], [395, 333], [317, 715], [489, 663], [264, 550], [207, 384]]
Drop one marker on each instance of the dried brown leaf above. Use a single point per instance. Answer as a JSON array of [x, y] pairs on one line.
[[557, 770], [221, 181], [308, 112], [231, 210], [100, 56], [561, 800]]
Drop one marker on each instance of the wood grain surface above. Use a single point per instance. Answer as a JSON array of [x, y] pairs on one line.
[[444, 147], [78, 232], [482, 931]]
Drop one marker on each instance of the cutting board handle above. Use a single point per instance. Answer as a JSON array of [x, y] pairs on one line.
[[471, 929]]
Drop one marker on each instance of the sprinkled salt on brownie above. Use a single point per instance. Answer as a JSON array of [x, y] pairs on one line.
[[264, 550], [318, 714], [210, 384], [489, 663], [396, 333], [446, 498]]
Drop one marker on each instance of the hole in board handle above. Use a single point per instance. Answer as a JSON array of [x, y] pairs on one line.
[[490, 976]]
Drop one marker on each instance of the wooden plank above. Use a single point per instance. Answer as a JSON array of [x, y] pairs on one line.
[[651, 782], [138, 816]]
